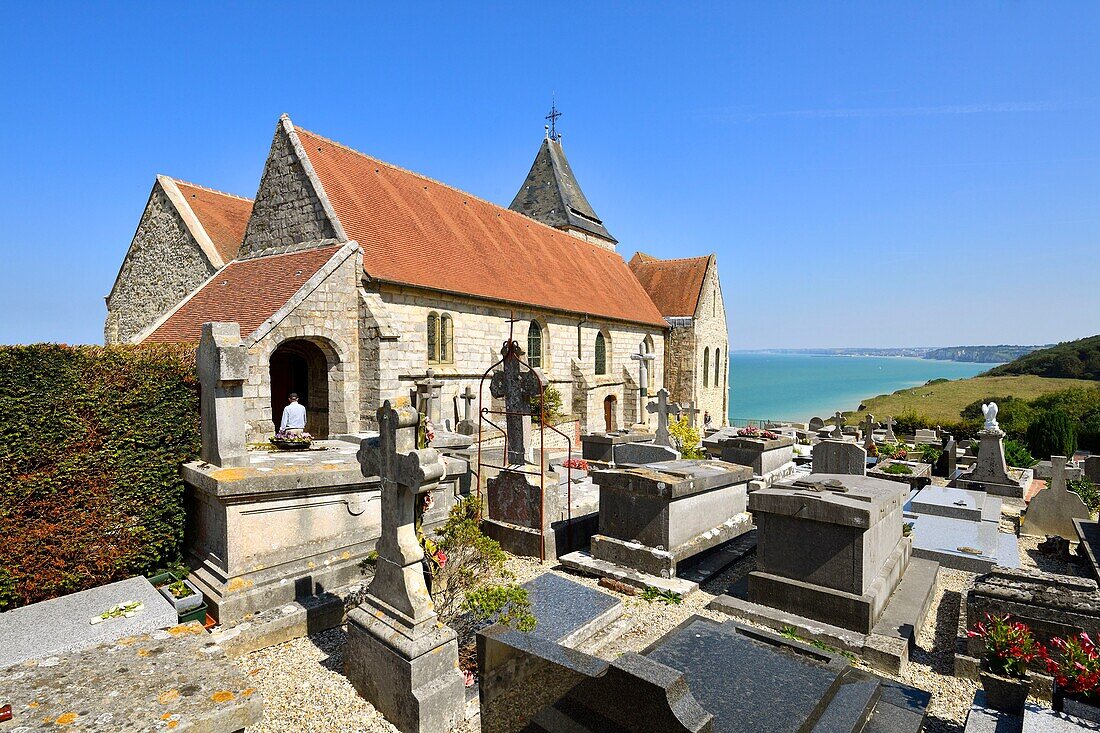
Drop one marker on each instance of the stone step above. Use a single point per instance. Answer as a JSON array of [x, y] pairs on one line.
[[702, 568], [607, 636], [850, 707]]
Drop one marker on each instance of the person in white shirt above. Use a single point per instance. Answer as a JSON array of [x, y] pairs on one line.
[[294, 416]]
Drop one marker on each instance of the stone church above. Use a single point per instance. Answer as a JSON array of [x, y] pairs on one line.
[[351, 278]]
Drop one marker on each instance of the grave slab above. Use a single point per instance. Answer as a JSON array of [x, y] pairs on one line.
[[162, 680], [601, 446], [61, 625], [920, 474], [960, 544], [568, 612], [641, 454], [1088, 532], [943, 501], [1036, 719]]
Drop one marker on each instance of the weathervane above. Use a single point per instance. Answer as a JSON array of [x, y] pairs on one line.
[[552, 128]]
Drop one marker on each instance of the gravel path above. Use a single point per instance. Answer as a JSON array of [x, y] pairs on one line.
[[304, 688]]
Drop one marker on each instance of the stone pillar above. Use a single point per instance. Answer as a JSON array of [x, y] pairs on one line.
[[398, 656], [223, 367], [991, 466]]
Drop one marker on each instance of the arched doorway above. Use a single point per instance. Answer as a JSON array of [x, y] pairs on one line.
[[609, 404], [301, 367]]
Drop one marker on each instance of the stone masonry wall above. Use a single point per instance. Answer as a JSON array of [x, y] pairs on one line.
[[287, 210], [328, 318], [480, 329], [164, 265], [710, 330]]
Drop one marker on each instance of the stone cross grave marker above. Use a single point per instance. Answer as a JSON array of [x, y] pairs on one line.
[[890, 423], [663, 408], [427, 396], [397, 655], [222, 363], [868, 428], [516, 387], [1052, 510], [838, 420], [643, 358], [691, 411], [466, 425]]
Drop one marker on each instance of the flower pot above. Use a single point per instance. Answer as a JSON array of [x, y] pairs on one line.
[[1007, 694], [185, 604], [1078, 707]]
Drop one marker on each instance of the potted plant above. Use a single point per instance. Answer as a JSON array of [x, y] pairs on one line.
[[292, 441], [1009, 649], [1076, 670], [184, 596]]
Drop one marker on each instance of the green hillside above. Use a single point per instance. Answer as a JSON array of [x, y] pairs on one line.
[[1069, 360]]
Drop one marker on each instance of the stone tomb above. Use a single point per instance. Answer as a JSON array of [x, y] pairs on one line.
[[702, 676], [1052, 510], [839, 456], [655, 516], [919, 476], [601, 446], [60, 625], [769, 460], [991, 473], [829, 548], [629, 455], [974, 506], [962, 544]]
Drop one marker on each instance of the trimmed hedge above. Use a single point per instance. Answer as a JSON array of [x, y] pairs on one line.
[[91, 441]]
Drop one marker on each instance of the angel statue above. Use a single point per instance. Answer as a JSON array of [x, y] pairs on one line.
[[990, 413]]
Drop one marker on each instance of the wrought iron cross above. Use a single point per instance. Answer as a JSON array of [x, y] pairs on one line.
[[517, 388], [553, 117]]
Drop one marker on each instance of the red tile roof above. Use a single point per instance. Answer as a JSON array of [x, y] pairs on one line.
[[246, 291], [420, 232], [674, 285], [224, 216]]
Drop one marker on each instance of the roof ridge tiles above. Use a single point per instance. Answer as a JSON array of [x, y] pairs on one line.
[[179, 181]]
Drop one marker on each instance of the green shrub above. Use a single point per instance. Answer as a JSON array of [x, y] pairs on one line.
[[929, 453], [1088, 492], [1052, 434], [91, 441], [554, 411], [1088, 432], [898, 469], [1017, 455], [686, 438]]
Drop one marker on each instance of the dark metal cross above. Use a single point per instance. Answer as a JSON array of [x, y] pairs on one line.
[[553, 117]]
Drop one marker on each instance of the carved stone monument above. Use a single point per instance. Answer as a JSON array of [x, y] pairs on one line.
[[1052, 510], [990, 472], [223, 367], [663, 408], [427, 396], [839, 456], [890, 437], [467, 425], [868, 428], [398, 656]]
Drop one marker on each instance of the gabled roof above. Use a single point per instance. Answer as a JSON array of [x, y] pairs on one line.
[[246, 291], [419, 232], [674, 285], [551, 194], [222, 215]]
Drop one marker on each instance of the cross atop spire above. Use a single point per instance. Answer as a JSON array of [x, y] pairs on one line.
[[552, 128]]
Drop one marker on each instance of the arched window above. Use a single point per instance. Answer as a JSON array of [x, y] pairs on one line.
[[534, 344], [601, 354], [446, 340], [717, 367], [433, 338], [706, 367]]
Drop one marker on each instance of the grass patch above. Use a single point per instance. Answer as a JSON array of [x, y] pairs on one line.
[[899, 469], [944, 401]]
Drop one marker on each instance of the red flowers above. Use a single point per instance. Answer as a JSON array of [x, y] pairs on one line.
[[1077, 671], [578, 464], [1009, 646], [441, 558], [751, 432]]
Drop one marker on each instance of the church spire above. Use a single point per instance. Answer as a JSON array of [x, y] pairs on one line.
[[551, 194]]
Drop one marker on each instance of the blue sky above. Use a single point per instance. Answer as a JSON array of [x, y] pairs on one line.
[[869, 174]]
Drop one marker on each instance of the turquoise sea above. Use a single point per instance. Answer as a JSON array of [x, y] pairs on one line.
[[799, 386]]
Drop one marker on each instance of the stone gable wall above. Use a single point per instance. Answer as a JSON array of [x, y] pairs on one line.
[[287, 210], [328, 317], [685, 355], [480, 329], [163, 265]]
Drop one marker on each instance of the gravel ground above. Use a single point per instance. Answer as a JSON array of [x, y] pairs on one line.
[[304, 688]]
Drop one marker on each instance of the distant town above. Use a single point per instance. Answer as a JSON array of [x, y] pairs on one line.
[[978, 354]]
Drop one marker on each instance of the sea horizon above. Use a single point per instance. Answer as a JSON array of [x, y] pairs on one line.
[[769, 385]]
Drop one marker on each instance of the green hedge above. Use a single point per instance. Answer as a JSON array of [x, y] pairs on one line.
[[91, 441]]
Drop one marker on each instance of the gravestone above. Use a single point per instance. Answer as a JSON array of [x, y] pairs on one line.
[[639, 454], [397, 655], [815, 424], [427, 397], [990, 471], [643, 358], [838, 456], [868, 427], [853, 525], [663, 408], [1052, 510], [947, 463], [467, 425], [523, 498], [568, 612], [1092, 469], [890, 437], [702, 676], [691, 411], [656, 516], [222, 362], [926, 437], [838, 423]]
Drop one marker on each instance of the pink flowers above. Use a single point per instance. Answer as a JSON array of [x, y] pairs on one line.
[[577, 464], [441, 558], [751, 432]]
